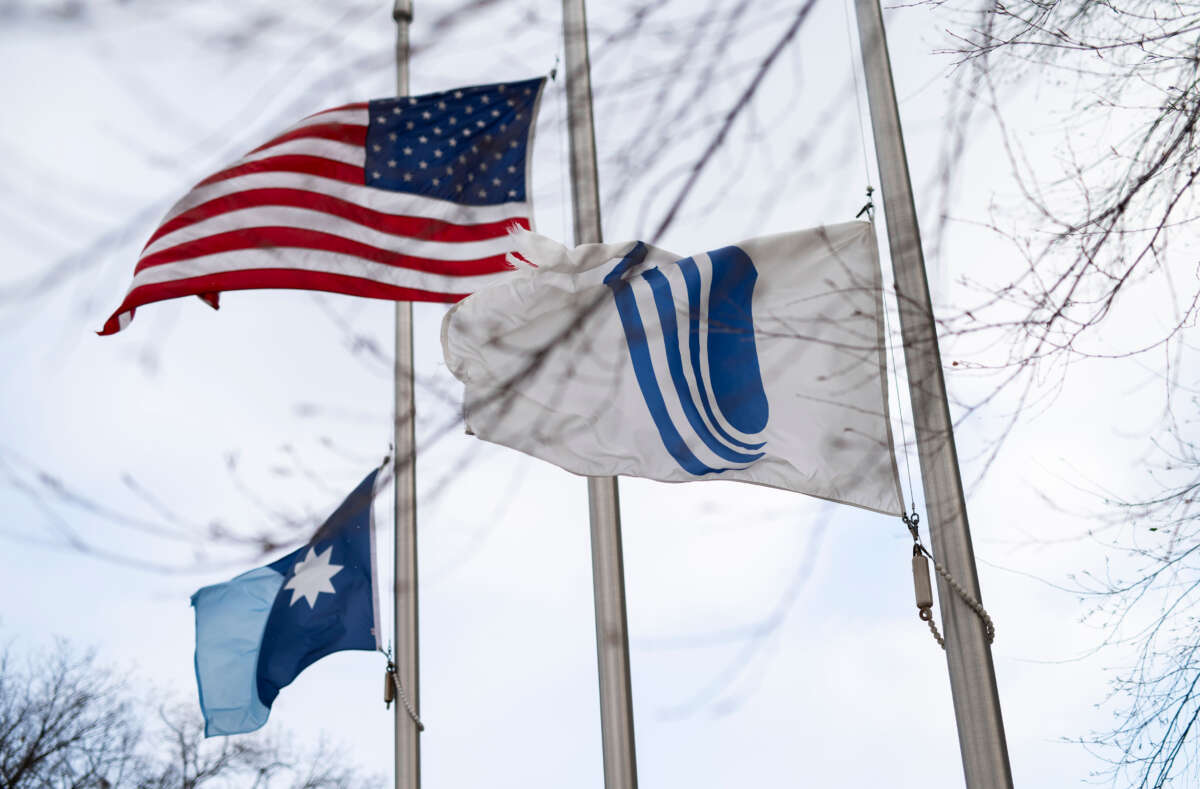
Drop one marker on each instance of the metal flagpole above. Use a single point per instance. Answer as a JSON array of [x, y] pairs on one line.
[[972, 675], [608, 572], [407, 733]]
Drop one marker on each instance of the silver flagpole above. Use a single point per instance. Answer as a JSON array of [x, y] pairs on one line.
[[407, 733], [972, 676], [608, 572]]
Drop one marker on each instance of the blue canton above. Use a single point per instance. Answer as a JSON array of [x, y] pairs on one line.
[[467, 145]]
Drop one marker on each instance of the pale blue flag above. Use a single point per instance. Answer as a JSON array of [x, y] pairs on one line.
[[258, 631]]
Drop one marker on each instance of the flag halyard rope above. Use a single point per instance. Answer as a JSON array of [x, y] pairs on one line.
[[403, 697], [924, 592], [393, 690], [989, 628]]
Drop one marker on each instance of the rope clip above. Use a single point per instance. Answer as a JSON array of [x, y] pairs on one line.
[[869, 208], [913, 522]]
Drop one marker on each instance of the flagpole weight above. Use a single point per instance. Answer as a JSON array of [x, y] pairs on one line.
[[968, 654], [608, 572], [406, 655]]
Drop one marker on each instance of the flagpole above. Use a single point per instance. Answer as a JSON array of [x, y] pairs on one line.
[[968, 654], [608, 573], [407, 752]]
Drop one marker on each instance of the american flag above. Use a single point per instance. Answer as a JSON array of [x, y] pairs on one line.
[[407, 199]]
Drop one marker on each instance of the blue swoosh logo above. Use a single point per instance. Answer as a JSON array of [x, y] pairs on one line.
[[732, 370]]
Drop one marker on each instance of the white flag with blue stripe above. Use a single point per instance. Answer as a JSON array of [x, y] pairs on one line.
[[761, 362]]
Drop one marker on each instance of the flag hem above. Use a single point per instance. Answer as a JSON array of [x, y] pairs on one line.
[[881, 335]]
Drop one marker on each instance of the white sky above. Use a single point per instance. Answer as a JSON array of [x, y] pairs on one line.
[[774, 638]]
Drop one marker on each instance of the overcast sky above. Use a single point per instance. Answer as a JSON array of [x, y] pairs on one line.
[[774, 638]]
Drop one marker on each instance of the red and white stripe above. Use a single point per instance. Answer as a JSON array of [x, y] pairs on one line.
[[296, 213]]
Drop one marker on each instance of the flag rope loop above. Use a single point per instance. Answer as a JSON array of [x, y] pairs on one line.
[[924, 592], [402, 696], [989, 628], [941, 642]]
